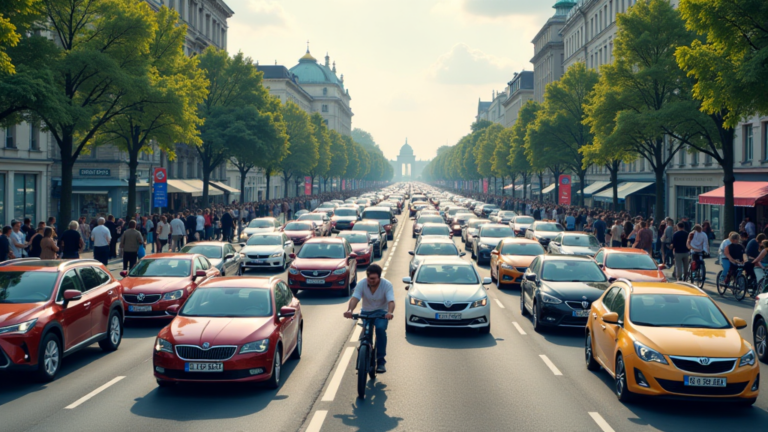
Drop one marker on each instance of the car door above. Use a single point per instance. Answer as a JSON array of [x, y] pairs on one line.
[[528, 287], [608, 333], [596, 321], [76, 314], [494, 262], [281, 324], [233, 264], [99, 293], [290, 324], [287, 245]]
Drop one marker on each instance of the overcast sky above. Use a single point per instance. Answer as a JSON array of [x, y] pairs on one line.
[[414, 68]]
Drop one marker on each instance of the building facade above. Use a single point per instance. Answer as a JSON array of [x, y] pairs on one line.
[[406, 166], [548, 51], [520, 90], [494, 110], [25, 173]]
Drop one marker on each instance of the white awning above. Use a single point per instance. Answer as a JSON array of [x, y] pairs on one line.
[[549, 188], [198, 184], [179, 186], [595, 187], [624, 190], [225, 187]]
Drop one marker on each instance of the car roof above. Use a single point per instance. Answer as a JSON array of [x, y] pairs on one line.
[[443, 259], [575, 233], [34, 264], [171, 255], [239, 282], [566, 258], [325, 240], [436, 239], [435, 224], [663, 288], [511, 240], [627, 250], [264, 218], [381, 208], [495, 225], [212, 243]]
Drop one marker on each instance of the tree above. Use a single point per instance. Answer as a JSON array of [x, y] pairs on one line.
[[541, 155], [162, 109], [323, 139], [100, 58], [16, 18], [518, 160], [338, 158], [363, 138], [500, 159], [484, 148], [303, 146]]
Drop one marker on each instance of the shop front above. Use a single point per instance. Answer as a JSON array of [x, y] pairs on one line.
[[684, 191], [636, 198], [100, 197], [750, 199]]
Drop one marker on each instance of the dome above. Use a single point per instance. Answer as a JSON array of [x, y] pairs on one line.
[[309, 71], [406, 149]]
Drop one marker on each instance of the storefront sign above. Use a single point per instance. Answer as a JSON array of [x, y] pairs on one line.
[[307, 185], [95, 172], [565, 190], [160, 188]]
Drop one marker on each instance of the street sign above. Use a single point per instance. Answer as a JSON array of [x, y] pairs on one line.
[[161, 176], [307, 185], [160, 188], [565, 190]]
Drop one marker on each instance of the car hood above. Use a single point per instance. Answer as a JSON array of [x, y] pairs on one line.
[[442, 293], [15, 313], [218, 331], [318, 263], [693, 342], [521, 226], [493, 241], [261, 249], [579, 250], [358, 248], [637, 275], [151, 285], [546, 234], [298, 234], [251, 231], [344, 218], [577, 290], [517, 260]]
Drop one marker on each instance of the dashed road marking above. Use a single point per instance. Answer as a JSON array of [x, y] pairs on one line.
[[317, 421], [333, 386], [519, 329], [85, 398], [499, 303], [601, 422], [356, 333], [551, 365]]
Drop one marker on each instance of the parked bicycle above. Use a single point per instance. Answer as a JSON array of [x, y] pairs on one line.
[[366, 351]]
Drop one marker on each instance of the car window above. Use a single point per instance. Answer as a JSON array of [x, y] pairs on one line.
[[633, 261], [280, 299], [618, 304], [609, 297], [161, 267], [287, 293], [599, 257], [534, 268], [580, 240], [228, 302], [26, 286], [70, 281], [198, 264], [90, 278], [572, 271]]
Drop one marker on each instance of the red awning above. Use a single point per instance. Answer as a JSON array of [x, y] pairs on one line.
[[745, 194]]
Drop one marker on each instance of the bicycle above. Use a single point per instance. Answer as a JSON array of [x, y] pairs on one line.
[[738, 286], [697, 276], [366, 351]]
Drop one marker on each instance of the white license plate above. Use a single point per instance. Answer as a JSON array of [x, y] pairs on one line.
[[139, 308], [204, 367], [448, 316], [315, 281], [257, 261], [581, 313], [695, 381]]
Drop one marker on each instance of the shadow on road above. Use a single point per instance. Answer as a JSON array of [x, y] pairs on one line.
[[370, 414], [320, 297], [138, 329], [451, 339]]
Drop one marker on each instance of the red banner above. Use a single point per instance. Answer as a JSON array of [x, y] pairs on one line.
[[343, 185], [485, 185], [565, 190], [307, 185]]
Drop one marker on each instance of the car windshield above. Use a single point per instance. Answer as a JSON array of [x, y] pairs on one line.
[[311, 216], [524, 220], [437, 249], [297, 226], [429, 219], [526, 249], [371, 228], [673, 310], [346, 212], [549, 227], [477, 223], [490, 207], [327, 205], [630, 261], [322, 250], [228, 302], [376, 214], [261, 223], [507, 214], [26, 287], [436, 230], [209, 251], [362, 201], [453, 274], [354, 237], [496, 231], [161, 267], [267, 240], [580, 240], [572, 271]]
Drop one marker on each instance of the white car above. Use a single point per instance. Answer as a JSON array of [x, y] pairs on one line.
[[260, 226], [267, 251], [322, 221], [447, 293], [760, 325], [520, 224]]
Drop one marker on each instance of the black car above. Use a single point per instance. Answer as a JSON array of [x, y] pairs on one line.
[[559, 290]]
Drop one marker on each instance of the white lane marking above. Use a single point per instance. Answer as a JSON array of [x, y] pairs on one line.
[[519, 329], [356, 333], [333, 387], [317, 421], [499, 303], [601, 422], [85, 398], [550, 365]]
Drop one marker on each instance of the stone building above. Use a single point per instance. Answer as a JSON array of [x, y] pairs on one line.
[[548, 50], [406, 166], [520, 90]]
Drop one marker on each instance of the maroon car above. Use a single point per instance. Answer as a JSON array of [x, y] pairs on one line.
[[361, 245], [231, 329], [300, 231], [324, 263]]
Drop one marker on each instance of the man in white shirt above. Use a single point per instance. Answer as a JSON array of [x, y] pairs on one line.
[[698, 243], [178, 231], [749, 227], [101, 239], [18, 240]]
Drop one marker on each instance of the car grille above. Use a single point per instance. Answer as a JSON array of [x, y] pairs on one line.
[[205, 376], [191, 352], [730, 389], [573, 321], [149, 298], [150, 314], [577, 305], [315, 273], [716, 366], [257, 256], [443, 308], [462, 322], [521, 269]]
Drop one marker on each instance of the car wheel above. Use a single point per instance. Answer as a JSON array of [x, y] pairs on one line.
[[760, 335], [622, 392], [299, 339], [285, 262], [592, 364], [165, 384], [277, 366], [536, 317], [49, 358], [114, 333], [494, 279], [523, 310]]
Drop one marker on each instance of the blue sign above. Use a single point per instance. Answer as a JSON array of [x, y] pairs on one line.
[[160, 195]]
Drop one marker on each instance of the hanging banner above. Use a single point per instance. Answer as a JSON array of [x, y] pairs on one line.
[[160, 188], [307, 185], [565, 190], [343, 185], [485, 185]]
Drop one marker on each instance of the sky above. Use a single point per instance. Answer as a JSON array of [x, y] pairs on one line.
[[415, 69]]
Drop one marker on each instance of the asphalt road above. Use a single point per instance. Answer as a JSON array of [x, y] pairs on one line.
[[512, 379]]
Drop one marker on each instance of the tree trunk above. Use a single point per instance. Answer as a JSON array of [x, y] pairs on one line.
[[525, 185], [67, 166], [133, 164], [582, 176], [312, 185], [286, 179], [615, 185], [243, 173], [541, 187], [206, 180], [658, 214], [266, 194], [729, 218]]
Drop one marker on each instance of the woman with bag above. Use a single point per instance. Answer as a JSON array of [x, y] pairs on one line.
[[130, 243]]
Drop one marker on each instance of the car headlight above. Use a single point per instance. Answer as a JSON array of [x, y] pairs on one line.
[[365, 251], [546, 298], [20, 328], [173, 295], [507, 267], [478, 303], [649, 355], [340, 271], [416, 302], [276, 254], [163, 345], [255, 347], [293, 271], [747, 359]]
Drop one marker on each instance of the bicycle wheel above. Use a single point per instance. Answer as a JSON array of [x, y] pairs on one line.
[[740, 287], [363, 362], [720, 282], [372, 369], [702, 275]]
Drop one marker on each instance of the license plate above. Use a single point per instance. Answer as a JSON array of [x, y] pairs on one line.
[[448, 316], [315, 281], [581, 313], [695, 381], [204, 367], [139, 308], [257, 261]]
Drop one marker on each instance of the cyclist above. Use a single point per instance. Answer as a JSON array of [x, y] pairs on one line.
[[698, 243], [377, 294], [735, 254]]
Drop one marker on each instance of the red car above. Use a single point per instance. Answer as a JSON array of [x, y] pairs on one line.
[[231, 329], [50, 309], [361, 245], [300, 231], [324, 263], [162, 280]]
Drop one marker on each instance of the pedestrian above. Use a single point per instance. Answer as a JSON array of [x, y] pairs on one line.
[[163, 231], [48, 248], [191, 225], [34, 243], [200, 226], [85, 232], [102, 241], [178, 232], [227, 223], [644, 239], [681, 251], [617, 231], [149, 228], [71, 242], [5, 244], [735, 254], [208, 224], [599, 227], [28, 230], [18, 240], [130, 242], [112, 227]]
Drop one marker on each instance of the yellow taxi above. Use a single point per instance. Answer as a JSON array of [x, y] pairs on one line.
[[669, 340], [511, 258]]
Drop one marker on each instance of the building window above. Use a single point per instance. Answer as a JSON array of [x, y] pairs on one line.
[[325, 91], [24, 200], [10, 141], [695, 158], [748, 143], [325, 108], [34, 137], [683, 152], [707, 160], [2, 200], [765, 141]]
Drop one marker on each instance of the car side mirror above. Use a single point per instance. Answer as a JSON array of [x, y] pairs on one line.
[[462, 254], [292, 256], [487, 281], [737, 322], [286, 312], [602, 266], [229, 256], [124, 273], [411, 253], [613, 318], [72, 295], [172, 310], [407, 280], [662, 266], [199, 273], [530, 277], [242, 245]]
